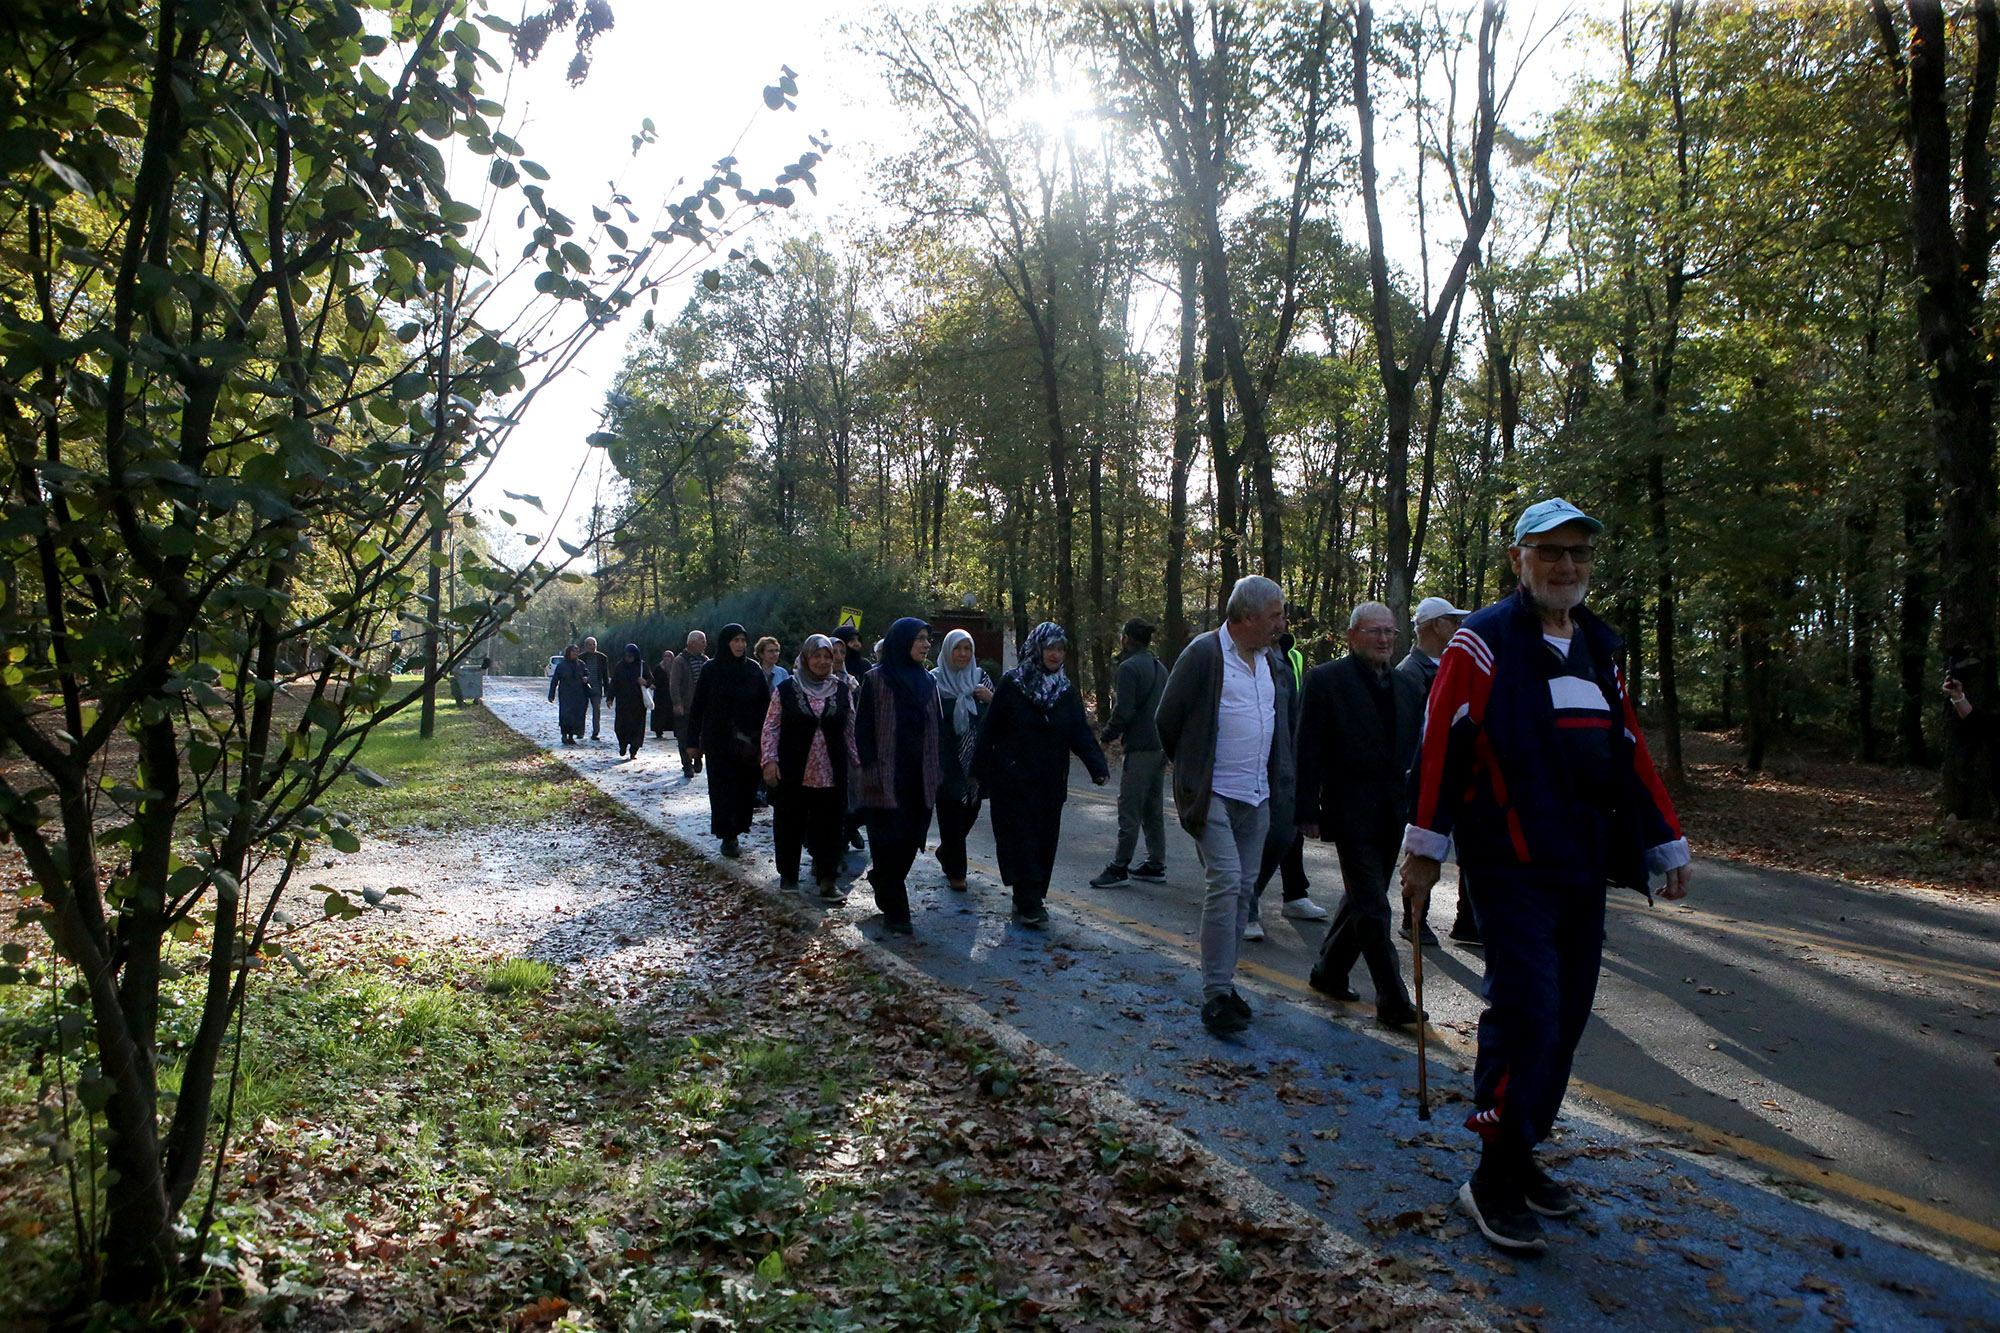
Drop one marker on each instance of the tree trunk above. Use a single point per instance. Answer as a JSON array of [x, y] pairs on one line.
[[1861, 632], [1187, 439]]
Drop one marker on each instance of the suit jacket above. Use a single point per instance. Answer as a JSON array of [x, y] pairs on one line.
[[1422, 668], [1352, 776]]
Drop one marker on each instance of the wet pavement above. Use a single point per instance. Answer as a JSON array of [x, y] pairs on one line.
[[1322, 1106]]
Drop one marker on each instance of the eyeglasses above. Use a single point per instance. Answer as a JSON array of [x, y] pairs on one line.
[[1552, 555], [1378, 631]]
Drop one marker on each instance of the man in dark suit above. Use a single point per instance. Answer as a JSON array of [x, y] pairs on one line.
[[1358, 732]]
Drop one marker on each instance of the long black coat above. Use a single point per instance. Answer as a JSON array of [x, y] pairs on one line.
[[727, 722], [1352, 775], [1022, 763], [571, 688]]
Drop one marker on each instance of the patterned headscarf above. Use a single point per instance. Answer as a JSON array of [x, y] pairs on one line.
[[1042, 686], [817, 690]]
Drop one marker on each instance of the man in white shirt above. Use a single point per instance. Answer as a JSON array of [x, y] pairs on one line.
[[1228, 720]]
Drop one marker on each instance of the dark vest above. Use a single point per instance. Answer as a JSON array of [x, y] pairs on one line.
[[796, 725]]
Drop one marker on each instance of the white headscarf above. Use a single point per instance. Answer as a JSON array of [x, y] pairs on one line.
[[958, 683]]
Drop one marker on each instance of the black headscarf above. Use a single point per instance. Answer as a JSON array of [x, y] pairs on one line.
[[630, 666]]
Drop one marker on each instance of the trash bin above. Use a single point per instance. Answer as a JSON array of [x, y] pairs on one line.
[[471, 683]]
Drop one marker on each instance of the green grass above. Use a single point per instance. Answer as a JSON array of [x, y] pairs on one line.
[[473, 773], [519, 974]]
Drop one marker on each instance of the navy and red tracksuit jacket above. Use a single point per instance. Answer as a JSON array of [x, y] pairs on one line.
[[1491, 775]]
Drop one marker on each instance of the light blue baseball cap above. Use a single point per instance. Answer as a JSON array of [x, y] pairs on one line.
[[1548, 514]]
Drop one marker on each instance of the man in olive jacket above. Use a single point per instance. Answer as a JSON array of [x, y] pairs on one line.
[[1142, 777], [1228, 720]]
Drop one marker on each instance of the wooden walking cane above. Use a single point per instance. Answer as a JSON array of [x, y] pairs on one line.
[[1423, 1070]]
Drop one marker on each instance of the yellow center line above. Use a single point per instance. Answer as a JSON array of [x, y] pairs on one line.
[[1833, 1182], [1970, 973]]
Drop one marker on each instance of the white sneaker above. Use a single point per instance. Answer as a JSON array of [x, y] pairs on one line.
[[1304, 909], [1254, 931]]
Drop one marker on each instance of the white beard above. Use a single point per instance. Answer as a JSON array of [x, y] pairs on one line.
[[1560, 599]]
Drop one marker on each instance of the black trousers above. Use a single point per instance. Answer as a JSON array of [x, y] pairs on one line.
[[955, 819], [1544, 944], [1361, 928], [1292, 862], [894, 839], [813, 819]]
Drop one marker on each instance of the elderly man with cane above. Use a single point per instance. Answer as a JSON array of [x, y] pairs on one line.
[[1533, 763]]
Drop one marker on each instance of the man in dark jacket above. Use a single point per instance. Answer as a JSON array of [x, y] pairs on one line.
[[1534, 767], [599, 667], [1357, 735], [1142, 776], [855, 662], [682, 677], [1227, 721], [1436, 620]]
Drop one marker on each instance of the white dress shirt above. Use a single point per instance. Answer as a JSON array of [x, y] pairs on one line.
[[1244, 725]]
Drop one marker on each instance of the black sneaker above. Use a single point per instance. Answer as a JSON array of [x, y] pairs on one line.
[[1547, 1195], [1033, 918], [1152, 872], [1502, 1216], [1114, 875], [1426, 937], [788, 886], [899, 928], [1220, 1015], [1326, 985], [830, 890], [730, 848], [1465, 931], [1240, 1005]]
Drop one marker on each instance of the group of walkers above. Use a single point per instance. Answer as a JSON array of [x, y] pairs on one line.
[[1505, 739]]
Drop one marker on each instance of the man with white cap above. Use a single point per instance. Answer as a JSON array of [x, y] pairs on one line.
[[1436, 620], [1533, 766]]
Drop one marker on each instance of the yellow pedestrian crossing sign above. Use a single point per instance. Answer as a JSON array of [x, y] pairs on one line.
[[850, 615]]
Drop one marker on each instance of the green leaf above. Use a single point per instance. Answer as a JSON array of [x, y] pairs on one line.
[[343, 839]]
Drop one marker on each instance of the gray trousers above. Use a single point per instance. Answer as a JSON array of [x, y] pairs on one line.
[[1231, 848], [1142, 794]]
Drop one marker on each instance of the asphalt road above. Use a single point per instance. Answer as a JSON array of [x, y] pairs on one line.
[[1835, 1043], [1855, 1030]]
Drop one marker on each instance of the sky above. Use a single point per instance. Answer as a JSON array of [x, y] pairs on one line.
[[698, 72]]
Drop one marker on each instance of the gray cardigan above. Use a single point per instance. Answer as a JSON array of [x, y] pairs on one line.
[[1187, 722]]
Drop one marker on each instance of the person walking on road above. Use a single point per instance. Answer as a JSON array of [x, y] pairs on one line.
[[1227, 721], [1285, 852], [1533, 764], [766, 653], [599, 667], [964, 691], [808, 752], [663, 694], [629, 702], [1436, 620], [1037, 723], [847, 658], [897, 730], [683, 679], [1142, 776], [570, 690], [1358, 731], [726, 719]]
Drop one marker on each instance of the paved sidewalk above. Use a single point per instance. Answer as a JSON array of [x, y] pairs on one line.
[[1324, 1111]]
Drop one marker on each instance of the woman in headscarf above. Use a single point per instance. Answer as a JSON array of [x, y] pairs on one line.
[[726, 719], [569, 687], [963, 693], [808, 751], [896, 737], [627, 689], [663, 692], [1035, 723]]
